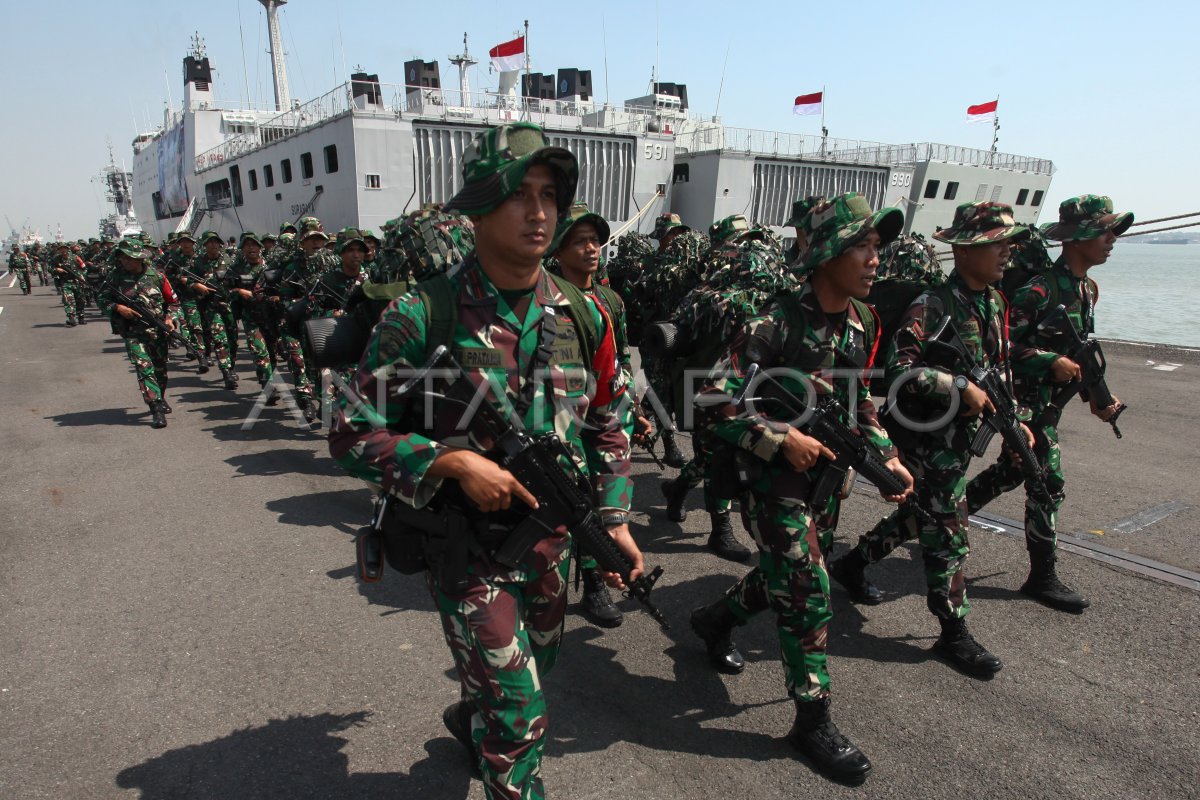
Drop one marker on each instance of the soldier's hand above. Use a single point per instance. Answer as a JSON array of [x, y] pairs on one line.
[[1064, 370], [1105, 414], [1016, 459], [974, 400], [802, 451], [126, 311], [485, 483], [246, 293], [170, 323], [201, 288], [900, 471], [626, 544], [643, 428]]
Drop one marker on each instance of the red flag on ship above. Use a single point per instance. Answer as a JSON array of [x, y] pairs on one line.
[[984, 112], [808, 104], [509, 56]]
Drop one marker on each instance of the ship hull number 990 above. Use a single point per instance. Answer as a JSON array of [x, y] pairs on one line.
[[901, 179]]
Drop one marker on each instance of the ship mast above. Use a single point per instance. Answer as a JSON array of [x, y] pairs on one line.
[[464, 62], [283, 99]]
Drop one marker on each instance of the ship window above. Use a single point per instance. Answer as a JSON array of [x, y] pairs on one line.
[[285, 168], [981, 192], [996, 193], [1037, 198], [372, 181], [235, 184], [951, 190], [682, 173], [306, 166], [331, 164], [931, 188], [268, 175], [253, 176], [1022, 196]]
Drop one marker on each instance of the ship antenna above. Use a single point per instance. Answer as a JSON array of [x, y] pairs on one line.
[[283, 100], [721, 87], [604, 35], [464, 61]]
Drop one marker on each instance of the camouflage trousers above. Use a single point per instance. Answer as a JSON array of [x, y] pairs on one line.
[[658, 375], [1005, 475], [699, 471], [791, 580], [73, 300], [23, 280], [217, 322], [939, 469], [192, 328], [149, 358], [264, 360], [504, 638], [297, 365]]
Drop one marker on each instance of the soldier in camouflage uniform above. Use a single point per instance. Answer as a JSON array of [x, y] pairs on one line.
[[801, 214], [71, 283], [330, 297], [242, 281], [939, 458], [504, 628], [911, 258], [205, 279], [297, 279], [179, 257], [18, 264], [806, 337], [145, 346], [1088, 229]]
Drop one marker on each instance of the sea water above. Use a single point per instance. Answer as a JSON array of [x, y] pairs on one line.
[[1150, 293]]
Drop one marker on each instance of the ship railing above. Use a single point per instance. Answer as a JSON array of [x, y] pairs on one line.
[[974, 156], [794, 145]]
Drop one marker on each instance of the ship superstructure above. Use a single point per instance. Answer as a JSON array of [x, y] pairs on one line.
[[368, 151]]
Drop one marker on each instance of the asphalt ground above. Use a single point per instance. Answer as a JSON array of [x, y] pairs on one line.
[[179, 619]]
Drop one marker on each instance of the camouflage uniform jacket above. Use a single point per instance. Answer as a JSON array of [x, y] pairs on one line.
[[814, 351], [170, 264], [149, 287], [18, 260], [211, 272], [391, 447], [1033, 353], [69, 261], [981, 319], [333, 291], [301, 272], [244, 275]]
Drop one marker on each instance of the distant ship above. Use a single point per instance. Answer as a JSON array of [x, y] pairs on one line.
[[121, 220], [367, 151]]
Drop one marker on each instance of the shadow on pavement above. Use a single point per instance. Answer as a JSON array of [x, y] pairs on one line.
[[344, 510], [298, 757], [101, 416], [285, 462]]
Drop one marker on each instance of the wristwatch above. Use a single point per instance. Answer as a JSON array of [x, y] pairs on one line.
[[960, 383]]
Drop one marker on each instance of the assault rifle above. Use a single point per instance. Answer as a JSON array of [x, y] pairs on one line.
[[823, 422], [545, 467], [1090, 358], [220, 290], [1003, 419], [152, 320], [648, 444]]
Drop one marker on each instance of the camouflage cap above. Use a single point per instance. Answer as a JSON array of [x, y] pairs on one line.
[[349, 236], [133, 248], [249, 236], [286, 239], [802, 213], [269, 237], [286, 227], [208, 236], [184, 236], [368, 235], [1086, 217], [731, 228], [578, 214], [497, 160], [667, 222], [980, 223], [842, 221], [309, 227]]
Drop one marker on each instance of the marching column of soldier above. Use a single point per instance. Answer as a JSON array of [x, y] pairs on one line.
[[509, 276]]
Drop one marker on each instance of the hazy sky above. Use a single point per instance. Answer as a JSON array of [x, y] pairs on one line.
[[1106, 90]]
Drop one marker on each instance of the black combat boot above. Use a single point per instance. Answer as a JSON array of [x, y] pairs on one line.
[[849, 572], [597, 605], [82, 320], [166, 407], [722, 541], [815, 735], [158, 417], [714, 624], [205, 364], [957, 646], [676, 492], [70, 322], [457, 719], [231, 379], [1044, 586], [308, 408], [672, 455], [272, 394]]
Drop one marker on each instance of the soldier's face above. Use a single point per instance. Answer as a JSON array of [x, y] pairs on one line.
[[187, 247], [212, 248], [129, 263], [982, 264], [580, 253], [1095, 251], [311, 245], [519, 229], [852, 274], [252, 252], [352, 259]]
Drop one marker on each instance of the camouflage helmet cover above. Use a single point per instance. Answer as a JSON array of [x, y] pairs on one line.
[[249, 236], [311, 227], [133, 248], [980, 223], [1086, 217], [731, 228], [665, 223], [209, 236], [577, 215], [497, 160], [350, 236], [843, 221]]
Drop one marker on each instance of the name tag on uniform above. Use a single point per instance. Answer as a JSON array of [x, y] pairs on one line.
[[479, 357], [567, 353]]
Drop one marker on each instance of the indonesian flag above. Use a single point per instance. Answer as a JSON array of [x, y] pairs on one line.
[[984, 112], [509, 56], [807, 105]]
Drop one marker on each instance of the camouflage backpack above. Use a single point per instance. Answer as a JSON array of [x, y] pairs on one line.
[[430, 241]]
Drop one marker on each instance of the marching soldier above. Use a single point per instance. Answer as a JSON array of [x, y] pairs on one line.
[[18, 263], [1046, 378], [205, 278], [297, 280], [68, 274], [242, 280]]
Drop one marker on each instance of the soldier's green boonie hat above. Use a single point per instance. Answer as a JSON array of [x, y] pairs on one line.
[[665, 223], [1086, 217], [735, 226], [207, 236], [286, 227], [309, 227], [578, 214], [369, 235], [133, 248], [845, 220], [349, 236], [497, 160], [981, 223], [802, 211], [269, 237], [249, 236], [184, 236]]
